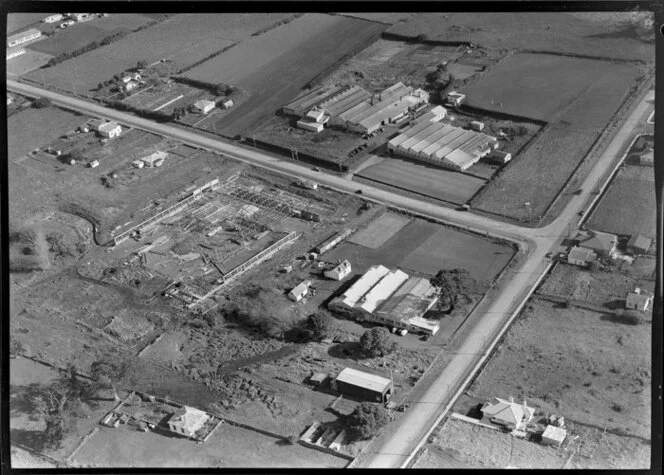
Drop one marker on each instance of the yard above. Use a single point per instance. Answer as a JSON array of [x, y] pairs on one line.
[[275, 66], [184, 39], [458, 444], [572, 362], [628, 205]]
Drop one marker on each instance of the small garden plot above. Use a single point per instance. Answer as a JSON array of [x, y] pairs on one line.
[[424, 179], [28, 61], [597, 371], [628, 206], [380, 230], [608, 289]]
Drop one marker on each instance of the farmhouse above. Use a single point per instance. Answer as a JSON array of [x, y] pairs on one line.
[[638, 300], [581, 256], [454, 99], [389, 297], [299, 291], [638, 244], [603, 244], [14, 52], [442, 145], [508, 414], [227, 103], [339, 272], [553, 435], [23, 37], [187, 421], [52, 18], [367, 386], [204, 106], [332, 241], [155, 159]]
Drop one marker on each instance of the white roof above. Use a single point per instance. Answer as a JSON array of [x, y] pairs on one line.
[[109, 126], [364, 380], [364, 283], [554, 433], [153, 157], [203, 103], [425, 323], [189, 418], [301, 288], [382, 290]]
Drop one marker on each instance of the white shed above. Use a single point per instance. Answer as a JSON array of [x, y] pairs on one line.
[[553, 435]]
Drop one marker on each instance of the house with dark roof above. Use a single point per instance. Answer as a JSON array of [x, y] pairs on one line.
[[604, 244], [508, 414], [581, 256]]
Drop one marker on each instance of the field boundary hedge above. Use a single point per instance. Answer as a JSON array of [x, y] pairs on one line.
[[422, 39], [583, 56], [198, 63], [473, 110]]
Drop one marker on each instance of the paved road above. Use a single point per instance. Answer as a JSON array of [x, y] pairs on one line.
[[423, 416]]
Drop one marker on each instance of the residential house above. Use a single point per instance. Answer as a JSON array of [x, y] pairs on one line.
[[299, 291], [581, 256], [339, 272], [52, 18], [187, 421], [454, 99], [227, 103], [553, 435], [508, 414], [638, 300], [638, 244], [204, 106], [131, 85], [81, 16], [604, 244], [110, 129]]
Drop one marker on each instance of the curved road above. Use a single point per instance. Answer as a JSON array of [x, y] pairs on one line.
[[424, 415]]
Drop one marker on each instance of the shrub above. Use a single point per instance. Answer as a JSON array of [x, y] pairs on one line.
[[41, 103], [629, 317], [366, 420], [377, 342]]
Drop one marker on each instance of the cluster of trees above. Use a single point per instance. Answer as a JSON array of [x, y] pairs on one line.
[[455, 283], [219, 89], [41, 103], [377, 342], [366, 420], [147, 113]]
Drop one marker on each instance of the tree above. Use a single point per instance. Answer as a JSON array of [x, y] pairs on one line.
[[377, 342], [51, 405], [142, 64], [366, 420], [319, 325], [41, 103], [454, 283], [221, 89], [110, 369]]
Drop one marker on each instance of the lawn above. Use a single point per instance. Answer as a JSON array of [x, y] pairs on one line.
[[515, 86], [424, 179], [599, 34], [183, 39], [628, 206], [275, 66], [229, 446], [575, 363]]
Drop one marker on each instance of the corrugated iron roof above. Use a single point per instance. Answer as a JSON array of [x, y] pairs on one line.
[[364, 380]]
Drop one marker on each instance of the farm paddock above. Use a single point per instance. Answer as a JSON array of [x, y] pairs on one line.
[[274, 67], [28, 61], [597, 370]]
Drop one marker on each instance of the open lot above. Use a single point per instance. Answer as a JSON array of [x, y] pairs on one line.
[[515, 86], [228, 446], [379, 230], [458, 444], [572, 362], [275, 66], [628, 205], [424, 179], [609, 34], [184, 39]]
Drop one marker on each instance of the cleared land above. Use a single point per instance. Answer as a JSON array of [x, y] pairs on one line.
[[459, 444], [598, 34], [515, 86], [572, 362], [379, 230], [628, 206], [275, 66], [183, 39], [228, 446], [542, 169], [424, 179]]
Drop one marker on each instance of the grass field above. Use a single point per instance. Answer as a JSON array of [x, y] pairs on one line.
[[599, 34], [424, 179], [573, 362], [379, 230], [19, 21], [628, 206], [72, 38], [425, 247], [184, 39], [28, 61], [275, 66], [518, 81]]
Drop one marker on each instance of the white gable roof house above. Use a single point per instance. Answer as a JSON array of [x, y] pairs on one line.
[[299, 291], [508, 414], [339, 272], [187, 421]]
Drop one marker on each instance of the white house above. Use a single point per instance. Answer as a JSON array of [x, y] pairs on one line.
[[339, 272], [109, 129], [454, 99], [299, 291], [204, 106], [227, 103], [553, 435], [81, 16], [52, 18], [155, 159], [93, 164], [638, 300], [581, 256], [187, 421]]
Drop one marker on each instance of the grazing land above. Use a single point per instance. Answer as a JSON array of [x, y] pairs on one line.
[[584, 33], [275, 66], [183, 39], [28, 61], [19, 21], [628, 206], [458, 444], [74, 37], [572, 362], [515, 87], [427, 180]]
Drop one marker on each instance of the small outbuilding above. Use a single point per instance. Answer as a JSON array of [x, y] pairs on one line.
[[226, 103], [638, 300], [638, 244], [477, 125], [500, 157], [339, 272], [204, 106], [553, 435], [359, 384], [299, 291]]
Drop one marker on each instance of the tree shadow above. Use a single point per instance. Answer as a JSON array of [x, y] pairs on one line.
[[618, 318], [346, 350], [34, 439], [615, 304]]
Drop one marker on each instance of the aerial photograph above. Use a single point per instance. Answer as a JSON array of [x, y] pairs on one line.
[[286, 240]]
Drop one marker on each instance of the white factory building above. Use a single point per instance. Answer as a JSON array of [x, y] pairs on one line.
[[390, 297], [443, 145]]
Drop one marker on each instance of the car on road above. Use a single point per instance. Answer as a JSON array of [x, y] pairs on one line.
[[548, 255], [359, 192], [316, 169]]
